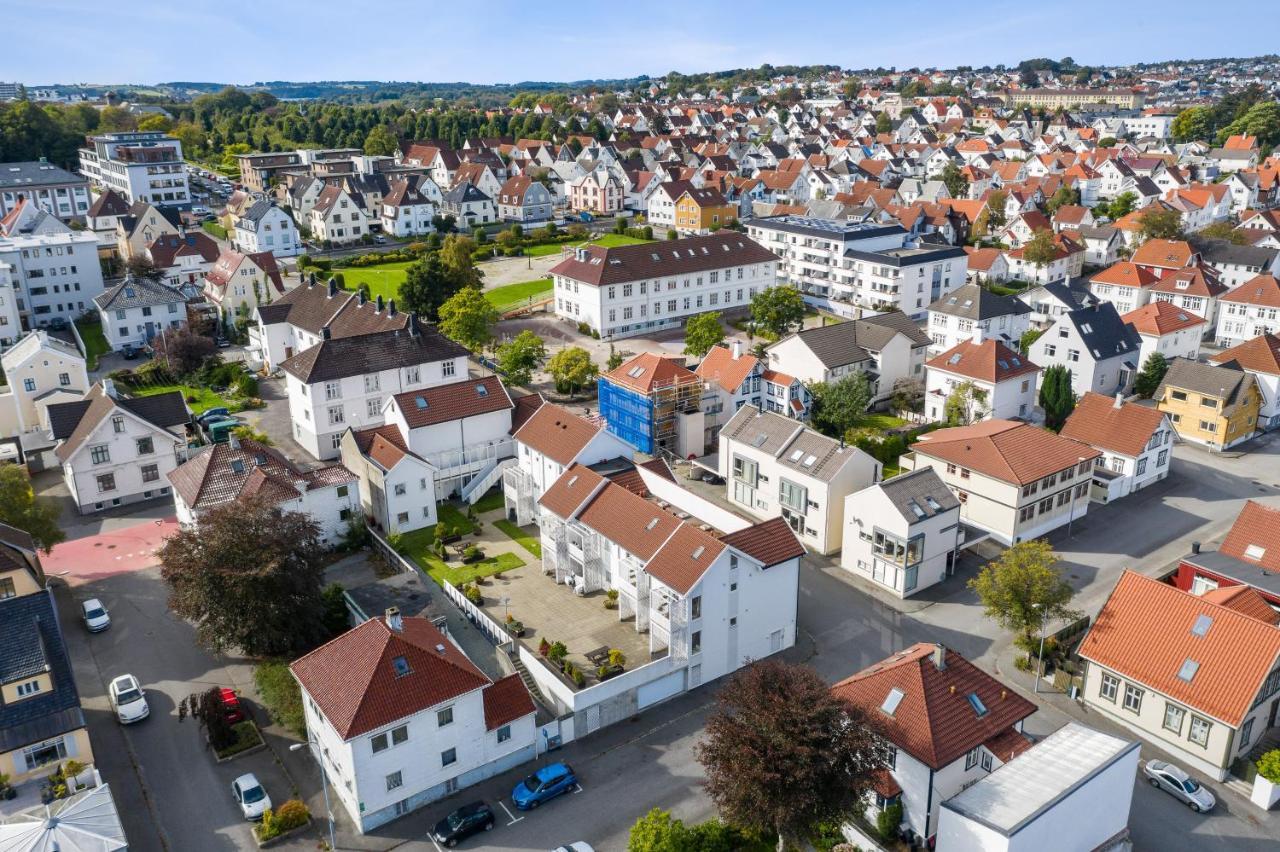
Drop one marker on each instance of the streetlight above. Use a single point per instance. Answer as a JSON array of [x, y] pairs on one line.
[[1071, 518], [324, 784], [1040, 657]]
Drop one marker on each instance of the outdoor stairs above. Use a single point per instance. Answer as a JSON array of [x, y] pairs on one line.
[[528, 681], [489, 475]]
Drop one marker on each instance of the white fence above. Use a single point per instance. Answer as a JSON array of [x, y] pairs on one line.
[[492, 630]]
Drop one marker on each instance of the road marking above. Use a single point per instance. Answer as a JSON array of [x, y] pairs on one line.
[[514, 819], [577, 788], [433, 843]]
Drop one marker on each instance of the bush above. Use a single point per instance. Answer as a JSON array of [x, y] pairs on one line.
[[888, 820], [611, 599], [247, 385], [473, 594], [281, 695], [1269, 766], [583, 328], [292, 814], [557, 652], [1022, 664], [544, 647], [472, 554]]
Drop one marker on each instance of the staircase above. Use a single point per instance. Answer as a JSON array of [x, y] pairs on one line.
[[489, 475], [528, 681]]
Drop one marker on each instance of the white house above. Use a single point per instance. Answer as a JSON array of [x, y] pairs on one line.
[[1099, 348], [1250, 310], [636, 289], [242, 468], [902, 534], [409, 206], [238, 283], [1163, 328], [397, 486], [1259, 357], [338, 217], [10, 321], [54, 190], [954, 317], [184, 259], [1003, 382], [401, 717], [733, 379], [774, 466], [1196, 290], [116, 450], [264, 227], [38, 370], [468, 206], [525, 200], [1136, 443], [661, 207], [947, 723], [138, 309]]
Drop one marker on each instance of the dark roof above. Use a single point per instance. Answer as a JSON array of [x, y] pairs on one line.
[[313, 307], [827, 228], [32, 639], [369, 353], [848, 342], [1104, 333], [1223, 381], [109, 203], [770, 543], [137, 293], [64, 416], [465, 193], [977, 303], [599, 266], [15, 177], [164, 410], [244, 468], [454, 401], [1215, 251], [923, 488]]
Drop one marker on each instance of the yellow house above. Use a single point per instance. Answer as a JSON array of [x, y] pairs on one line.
[[1213, 406], [699, 210]]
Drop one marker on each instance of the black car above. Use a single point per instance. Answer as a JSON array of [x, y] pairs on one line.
[[462, 823]]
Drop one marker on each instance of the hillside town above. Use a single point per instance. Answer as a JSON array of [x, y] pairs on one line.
[[785, 458]]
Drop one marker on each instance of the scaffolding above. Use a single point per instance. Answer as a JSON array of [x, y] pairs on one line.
[[670, 401], [517, 484], [648, 421]]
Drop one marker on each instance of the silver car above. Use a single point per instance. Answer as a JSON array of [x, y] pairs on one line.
[[1180, 785], [249, 795], [128, 699], [94, 615]]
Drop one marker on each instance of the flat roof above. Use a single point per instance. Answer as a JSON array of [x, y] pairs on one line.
[[907, 255], [1249, 573], [830, 228], [1020, 791]]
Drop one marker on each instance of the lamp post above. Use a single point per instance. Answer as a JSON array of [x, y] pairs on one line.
[[1040, 656], [324, 783], [1071, 518]]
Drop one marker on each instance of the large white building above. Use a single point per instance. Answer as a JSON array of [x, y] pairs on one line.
[[55, 274], [1250, 310], [141, 166], [774, 466], [1136, 443], [39, 370], [631, 290], [54, 190]]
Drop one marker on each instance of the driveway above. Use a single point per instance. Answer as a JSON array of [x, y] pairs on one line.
[[105, 554]]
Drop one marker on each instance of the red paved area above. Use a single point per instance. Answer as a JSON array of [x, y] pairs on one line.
[[84, 560]]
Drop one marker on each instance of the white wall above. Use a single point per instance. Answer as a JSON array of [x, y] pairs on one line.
[[81, 474], [869, 509]]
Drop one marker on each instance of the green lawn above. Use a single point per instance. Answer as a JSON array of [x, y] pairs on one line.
[[414, 545], [384, 280], [511, 296], [544, 250], [215, 229], [883, 422], [204, 398], [615, 240], [520, 537], [492, 500], [95, 342]]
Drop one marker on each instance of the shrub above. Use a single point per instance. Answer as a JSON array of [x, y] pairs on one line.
[[544, 647], [1269, 766], [617, 658], [579, 679], [247, 385], [474, 595], [1021, 663], [888, 820], [611, 599], [281, 695], [558, 652], [583, 328], [472, 554], [292, 814], [206, 708]]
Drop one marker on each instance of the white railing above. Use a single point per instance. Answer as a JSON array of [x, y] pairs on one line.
[[486, 478], [492, 630]]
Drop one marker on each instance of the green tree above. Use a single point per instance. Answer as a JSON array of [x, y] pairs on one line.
[[206, 708], [907, 395], [1151, 375], [1261, 120], [455, 254], [965, 404], [701, 333], [427, 285], [467, 317], [1028, 337], [838, 405], [571, 369], [995, 210], [520, 357], [22, 509], [782, 754], [1064, 196], [1056, 396], [1122, 205], [1160, 223], [777, 309], [1041, 249], [1024, 589], [381, 142], [956, 183], [1225, 231], [156, 121], [883, 123], [249, 577], [658, 831], [615, 359]]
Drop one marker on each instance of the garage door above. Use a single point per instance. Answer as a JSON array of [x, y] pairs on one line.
[[660, 690]]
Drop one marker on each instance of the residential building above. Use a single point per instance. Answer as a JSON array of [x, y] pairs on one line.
[[38, 370], [1051, 301], [1246, 312], [142, 225], [184, 259], [141, 166], [904, 533], [397, 486], [1163, 328], [1197, 678], [1260, 357], [598, 192], [703, 210], [338, 217], [954, 317], [468, 206], [1003, 382], [1195, 290], [407, 208], [1124, 284], [1215, 406], [1052, 99], [1013, 480], [1099, 348], [238, 283], [1072, 791], [10, 321], [402, 718], [887, 347], [54, 190], [775, 467], [343, 382], [1237, 265], [258, 170], [523, 199], [654, 404], [264, 227], [242, 469], [732, 379], [55, 274], [1247, 562], [1136, 443], [628, 290], [137, 309], [116, 450], [1066, 263], [947, 723], [661, 205]]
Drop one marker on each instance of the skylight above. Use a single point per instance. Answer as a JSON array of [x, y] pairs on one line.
[[401, 666], [653, 522], [795, 457], [933, 504], [1004, 365], [481, 390], [915, 507], [1255, 552], [261, 459], [698, 551], [891, 701], [635, 372], [809, 460], [420, 401], [1188, 670], [237, 465], [976, 703], [954, 359], [1202, 625], [759, 440]]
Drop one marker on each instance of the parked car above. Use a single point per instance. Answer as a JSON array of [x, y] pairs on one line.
[[94, 615], [208, 414], [222, 342], [382, 241], [1179, 784], [128, 699], [462, 823], [58, 323], [208, 217], [129, 353], [250, 796], [547, 783], [231, 709]]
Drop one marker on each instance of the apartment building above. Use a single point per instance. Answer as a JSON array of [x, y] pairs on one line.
[[954, 318], [54, 190], [1249, 310], [141, 166], [629, 290], [1013, 480], [1167, 330], [55, 274], [1215, 406], [1068, 98], [38, 370], [1136, 443], [654, 403], [10, 321], [264, 227], [776, 467]]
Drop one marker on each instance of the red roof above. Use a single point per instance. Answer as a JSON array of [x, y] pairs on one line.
[[770, 543], [721, 367], [1262, 290], [1125, 274], [1259, 355], [1125, 429], [1255, 536], [556, 432], [988, 361], [505, 701], [454, 401], [647, 372], [1156, 319], [1005, 449]]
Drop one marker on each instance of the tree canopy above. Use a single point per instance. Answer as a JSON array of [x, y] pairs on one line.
[[838, 405], [520, 357], [701, 333], [427, 285], [777, 309], [22, 509], [1024, 589], [467, 317], [1056, 396], [571, 369], [1151, 375]]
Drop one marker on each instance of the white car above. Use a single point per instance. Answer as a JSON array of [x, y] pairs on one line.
[[250, 796], [94, 615], [128, 699], [1179, 784]]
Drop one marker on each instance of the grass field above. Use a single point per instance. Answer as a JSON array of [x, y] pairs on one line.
[[204, 398], [511, 296], [383, 280], [491, 501], [416, 546], [883, 422], [520, 537], [94, 341], [606, 240], [215, 229]]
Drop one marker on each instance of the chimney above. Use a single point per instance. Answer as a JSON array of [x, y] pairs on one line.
[[737, 349], [413, 324], [1195, 548], [1119, 403], [109, 388], [940, 657], [979, 335], [379, 303], [326, 333], [361, 298], [391, 307], [393, 619], [311, 279], [233, 442], [333, 287]]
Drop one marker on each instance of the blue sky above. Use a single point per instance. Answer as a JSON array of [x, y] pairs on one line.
[[147, 41]]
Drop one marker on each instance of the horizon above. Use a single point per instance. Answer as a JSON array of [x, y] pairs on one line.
[[596, 44]]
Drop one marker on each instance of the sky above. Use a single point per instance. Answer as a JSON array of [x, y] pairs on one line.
[[497, 41]]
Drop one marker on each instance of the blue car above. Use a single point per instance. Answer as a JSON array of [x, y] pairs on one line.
[[547, 783]]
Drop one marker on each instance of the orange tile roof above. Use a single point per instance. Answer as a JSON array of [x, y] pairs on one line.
[[1255, 536], [684, 558], [1191, 281], [1243, 599], [1159, 318], [1166, 254], [630, 521], [571, 490], [1098, 422], [1259, 355], [988, 361], [1005, 449], [1144, 633], [721, 367], [556, 432], [648, 371], [1125, 274], [1262, 290]]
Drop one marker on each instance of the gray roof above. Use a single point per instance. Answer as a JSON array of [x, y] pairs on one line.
[[30, 642], [17, 176], [790, 442], [1227, 379], [1103, 332], [137, 293], [464, 193], [848, 342], [1226, 252], [257, 210], [977, 303], [921, 488], [907, 256], [831, 229]]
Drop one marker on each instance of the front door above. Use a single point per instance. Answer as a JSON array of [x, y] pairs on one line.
[[1275, 708]]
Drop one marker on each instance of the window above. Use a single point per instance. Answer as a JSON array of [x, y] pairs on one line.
[[107, 482], [504, 733], [794, 497], [333, 390], [50, 751], [695, 607], [695, 642], [1133, 698], [100, 454], [400, 489], [448, 757], [1246, 734], [1173, 716], [447, 368], [29, 385], [971, 759], [745, 470], [337, 415], [343, 491], [64, 379], [444, 717], [1199, 733], [7, 588], [146, 446], [373, 407], [394, 780], [986, 761], [372, 383], [387, 739], [31, 687], [1110, 686], [1161, 458], [150, 472]]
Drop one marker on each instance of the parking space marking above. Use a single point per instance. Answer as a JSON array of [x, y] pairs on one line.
[[514, 819], [433, 843], [577, 788]]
